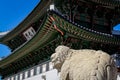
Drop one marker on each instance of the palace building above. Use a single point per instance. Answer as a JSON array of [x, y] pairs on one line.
[[79, 24]]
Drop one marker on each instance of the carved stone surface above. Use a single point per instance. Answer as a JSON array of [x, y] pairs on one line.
[[83, 64]]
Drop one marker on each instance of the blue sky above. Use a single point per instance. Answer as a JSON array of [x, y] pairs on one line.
[[12, 12], [117, 27]]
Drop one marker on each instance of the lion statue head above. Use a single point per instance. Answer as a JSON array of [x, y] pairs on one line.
[[58, 58]]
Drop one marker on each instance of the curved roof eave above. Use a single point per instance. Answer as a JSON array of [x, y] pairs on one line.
[[2, 34], [40, 9], [37, 41]]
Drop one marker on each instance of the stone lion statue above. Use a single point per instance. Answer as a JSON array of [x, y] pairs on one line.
[[83, 64]]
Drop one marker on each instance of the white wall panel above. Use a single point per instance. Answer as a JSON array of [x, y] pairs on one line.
[[50, 75], [38, 70], [26, 74], [50, 66], [43, 68], [21, 75], [31, 72]]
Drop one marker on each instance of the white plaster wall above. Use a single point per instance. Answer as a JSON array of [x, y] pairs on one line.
[[50, 75]]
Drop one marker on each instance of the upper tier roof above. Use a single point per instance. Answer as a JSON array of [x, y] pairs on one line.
[[42, 8]]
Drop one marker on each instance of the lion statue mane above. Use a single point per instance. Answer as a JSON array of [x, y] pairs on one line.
[[84, 64]]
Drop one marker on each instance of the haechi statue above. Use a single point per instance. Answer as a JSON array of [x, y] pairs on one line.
[[84, 64]]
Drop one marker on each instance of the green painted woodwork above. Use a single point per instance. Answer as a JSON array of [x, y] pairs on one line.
[[43, 36], [84, 34]]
